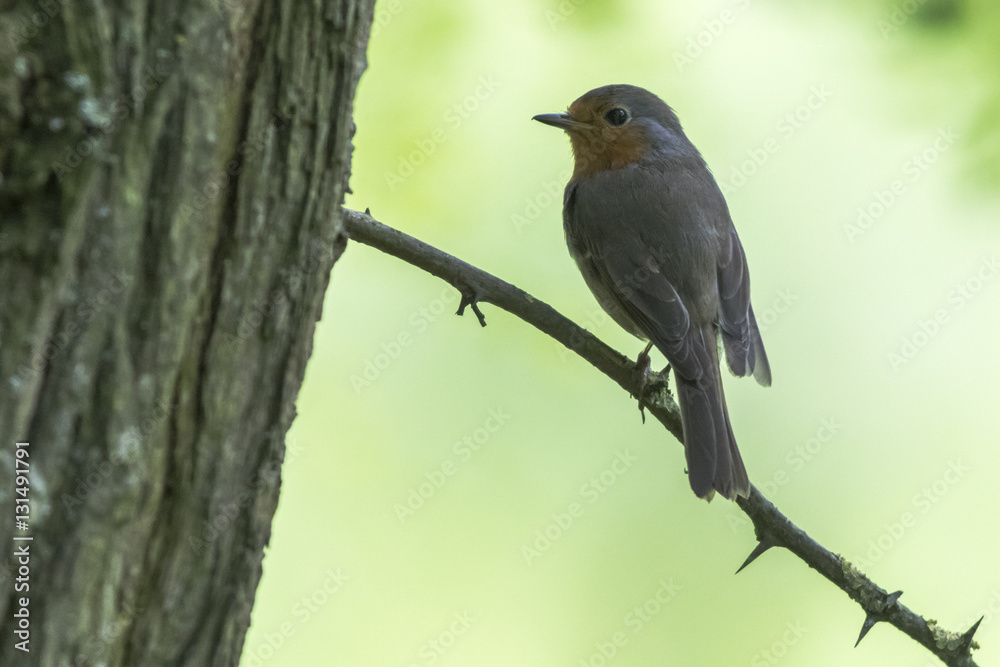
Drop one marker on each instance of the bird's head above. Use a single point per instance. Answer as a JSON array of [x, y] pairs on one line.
[[614, 126]]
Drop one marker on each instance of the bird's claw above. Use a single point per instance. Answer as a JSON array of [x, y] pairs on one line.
[[642, 370], [648, 380]]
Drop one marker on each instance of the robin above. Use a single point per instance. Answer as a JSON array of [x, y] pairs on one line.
[[651, 233]]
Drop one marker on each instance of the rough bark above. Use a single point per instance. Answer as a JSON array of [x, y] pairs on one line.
[[170, 181]]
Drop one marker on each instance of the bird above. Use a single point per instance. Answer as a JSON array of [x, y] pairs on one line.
[[652, 234]]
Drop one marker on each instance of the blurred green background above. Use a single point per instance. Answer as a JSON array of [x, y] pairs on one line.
[[857, 145]]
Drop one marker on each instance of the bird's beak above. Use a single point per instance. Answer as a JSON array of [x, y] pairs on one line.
[[561, 120]]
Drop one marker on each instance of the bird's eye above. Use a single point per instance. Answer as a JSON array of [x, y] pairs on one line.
[[616, 116]]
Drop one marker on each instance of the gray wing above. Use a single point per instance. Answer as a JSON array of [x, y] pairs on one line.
[[627, 271], [740, 336]]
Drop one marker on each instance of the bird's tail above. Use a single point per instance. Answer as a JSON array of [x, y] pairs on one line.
[[713, 459]]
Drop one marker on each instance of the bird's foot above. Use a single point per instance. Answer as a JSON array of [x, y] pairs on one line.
[[648, 380], [643, 372]]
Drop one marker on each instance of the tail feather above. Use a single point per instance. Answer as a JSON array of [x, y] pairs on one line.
[[713, 458], [700, 438], [739, 482], [761, 366], [745, 351]]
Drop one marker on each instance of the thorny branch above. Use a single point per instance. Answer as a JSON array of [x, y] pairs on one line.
[[771, 526]]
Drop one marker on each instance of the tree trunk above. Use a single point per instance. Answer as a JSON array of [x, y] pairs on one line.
[[170, 181]]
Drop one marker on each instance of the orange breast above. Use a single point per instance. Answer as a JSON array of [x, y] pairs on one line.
[[596, 151]]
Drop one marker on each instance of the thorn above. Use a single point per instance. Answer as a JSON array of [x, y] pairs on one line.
[[869, 623], [873, 618], [368, 211], [471, 301], [967, 637], [762, 546]]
